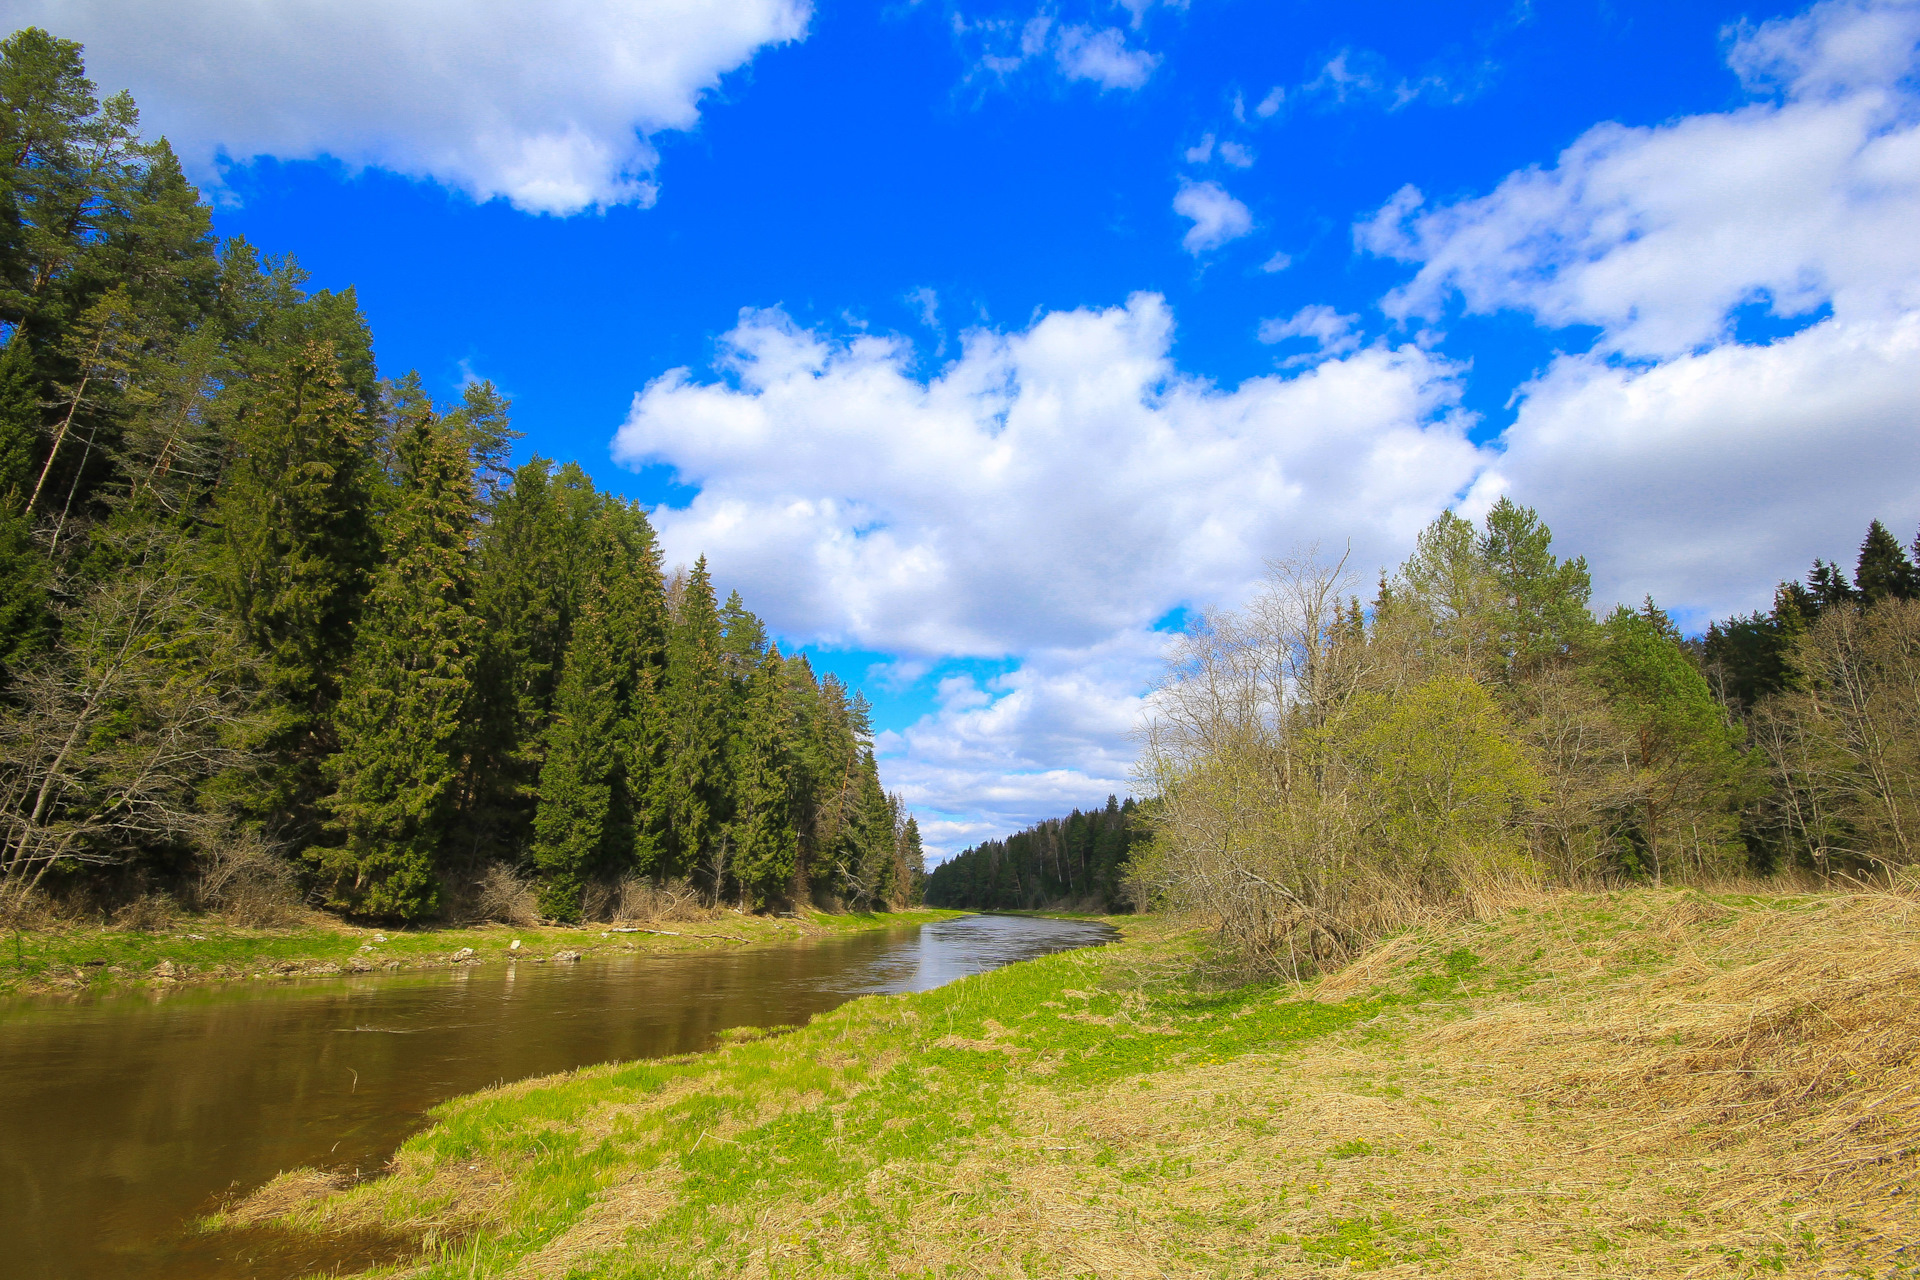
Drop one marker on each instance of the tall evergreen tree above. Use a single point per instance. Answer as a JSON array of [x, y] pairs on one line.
[[526, 604], [913, 857], [581, 823], [1883, 571], [1690, 776], [760, 767], [1541, 609], [690, 790], [295, 548], [407, 686], [1829, 586], [637, 610]]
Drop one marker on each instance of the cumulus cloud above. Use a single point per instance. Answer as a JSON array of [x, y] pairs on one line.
[[1046, 496], [549, 107], [1682, 461], [1707, 478], [1005, 753], [964, 514], [1656, 235], [1217, 217]]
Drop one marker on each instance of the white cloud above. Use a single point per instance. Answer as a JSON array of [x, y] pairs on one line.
[[1278, 262], [1051, 736], [1657, 235], [1046, 496], [1217, 217], [926, 305], [1704, 480], [548, 106], [1079, 51], [1103, 57], [960, 515], [1233, 153], [1362, 77], [1332, 333], [1271, 104], [1683, 462]]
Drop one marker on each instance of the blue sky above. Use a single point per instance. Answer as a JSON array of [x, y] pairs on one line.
[[974, 343]]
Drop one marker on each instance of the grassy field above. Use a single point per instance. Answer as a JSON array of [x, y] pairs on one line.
[[205, 949], [1648, 1083]]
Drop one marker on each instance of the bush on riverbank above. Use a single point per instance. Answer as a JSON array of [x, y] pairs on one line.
[[1645, 1083]]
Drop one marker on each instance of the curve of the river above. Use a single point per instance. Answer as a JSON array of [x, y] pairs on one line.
[[124, 1117]]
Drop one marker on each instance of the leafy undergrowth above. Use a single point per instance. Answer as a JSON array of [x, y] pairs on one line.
[[1637, 1084], [207, 949]]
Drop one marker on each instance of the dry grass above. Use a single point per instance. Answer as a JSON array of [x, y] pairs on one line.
[[1646, 1083]]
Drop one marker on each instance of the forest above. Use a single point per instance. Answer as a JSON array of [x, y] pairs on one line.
[[1079, 859], [276, 629], [1326, 773]]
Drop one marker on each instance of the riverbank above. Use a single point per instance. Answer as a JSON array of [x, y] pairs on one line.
[[1650, 1083], [205, 949]]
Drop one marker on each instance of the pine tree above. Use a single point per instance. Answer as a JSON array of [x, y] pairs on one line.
[[1542, 601], [398, 720], [1883, 571]]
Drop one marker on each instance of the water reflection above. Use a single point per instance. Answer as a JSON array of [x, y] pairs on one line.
[[122, 1117]]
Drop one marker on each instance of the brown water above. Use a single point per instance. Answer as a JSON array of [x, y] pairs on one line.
[[124, 1117]]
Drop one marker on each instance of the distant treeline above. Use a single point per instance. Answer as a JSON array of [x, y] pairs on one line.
[[1080, 858], [269, 620]]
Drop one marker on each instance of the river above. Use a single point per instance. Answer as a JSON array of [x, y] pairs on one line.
[[124, 1117]]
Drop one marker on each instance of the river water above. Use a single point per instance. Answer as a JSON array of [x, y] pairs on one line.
[[124, 1117]]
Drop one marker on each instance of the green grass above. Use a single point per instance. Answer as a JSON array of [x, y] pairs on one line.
[[1099, 1112], [896, 1088], [83, 957]]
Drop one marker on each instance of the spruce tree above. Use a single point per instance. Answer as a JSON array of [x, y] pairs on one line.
[[760, 771], [526, 605], [690, 791], [294, 547], [636, 604], [1883, 571], [399, 718], [914, 856], [1829, 586], [26, 623], [1690, 776], [578, 823]]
